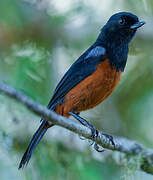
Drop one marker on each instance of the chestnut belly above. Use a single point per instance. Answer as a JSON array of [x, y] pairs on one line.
[[91, 91]]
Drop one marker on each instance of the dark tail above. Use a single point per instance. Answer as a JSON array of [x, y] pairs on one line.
[[34, 142]]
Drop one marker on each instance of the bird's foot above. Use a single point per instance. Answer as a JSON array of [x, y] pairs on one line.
[[93, 130], [110, 138]]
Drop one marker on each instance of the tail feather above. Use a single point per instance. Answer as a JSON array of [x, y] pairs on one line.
[[33, 143]]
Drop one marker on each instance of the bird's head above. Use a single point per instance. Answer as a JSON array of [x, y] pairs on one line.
[[121, 27]]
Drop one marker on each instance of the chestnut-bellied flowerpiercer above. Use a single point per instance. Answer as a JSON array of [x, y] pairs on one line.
[[93, 76]]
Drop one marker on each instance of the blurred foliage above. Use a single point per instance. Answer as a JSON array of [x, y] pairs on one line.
[[39, 39]]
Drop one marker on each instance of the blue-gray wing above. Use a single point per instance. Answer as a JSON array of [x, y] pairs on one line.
[[83, 67], [97, 51]]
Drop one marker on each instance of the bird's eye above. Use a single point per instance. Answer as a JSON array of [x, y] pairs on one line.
[[122, 21]]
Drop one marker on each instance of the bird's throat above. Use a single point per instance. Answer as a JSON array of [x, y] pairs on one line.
[[117, 55]]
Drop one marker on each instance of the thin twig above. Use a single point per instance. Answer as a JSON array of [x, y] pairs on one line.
[[123, 145]]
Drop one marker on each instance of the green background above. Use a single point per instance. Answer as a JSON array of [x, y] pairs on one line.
[[39, 40]]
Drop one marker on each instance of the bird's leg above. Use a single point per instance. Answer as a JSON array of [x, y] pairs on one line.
[[85, 123], [81, 137], [93, 129]]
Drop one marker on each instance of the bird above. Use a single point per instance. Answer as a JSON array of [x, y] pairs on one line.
[[92, 77]]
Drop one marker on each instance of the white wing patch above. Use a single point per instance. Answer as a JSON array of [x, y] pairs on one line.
[[97, 51]]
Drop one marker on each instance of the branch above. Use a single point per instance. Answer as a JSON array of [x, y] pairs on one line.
[[121, 144]]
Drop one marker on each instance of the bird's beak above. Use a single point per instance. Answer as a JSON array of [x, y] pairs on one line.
[[137, 25]]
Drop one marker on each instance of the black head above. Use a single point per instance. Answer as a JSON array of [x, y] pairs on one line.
[[116, 35], [121, 27]]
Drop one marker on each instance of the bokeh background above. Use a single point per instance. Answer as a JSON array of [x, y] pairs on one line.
[[39, 40]]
